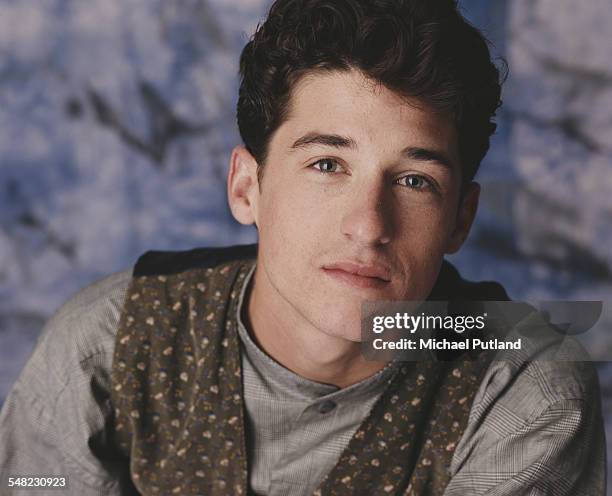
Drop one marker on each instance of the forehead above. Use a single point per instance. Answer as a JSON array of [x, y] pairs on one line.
[[349, 103]]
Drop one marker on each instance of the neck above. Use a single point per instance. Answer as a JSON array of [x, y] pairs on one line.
[[297, 344]]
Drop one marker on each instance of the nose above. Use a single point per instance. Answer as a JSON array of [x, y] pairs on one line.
[[367, 220]]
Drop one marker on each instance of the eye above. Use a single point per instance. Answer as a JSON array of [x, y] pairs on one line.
[[415, 182], [326, 165]]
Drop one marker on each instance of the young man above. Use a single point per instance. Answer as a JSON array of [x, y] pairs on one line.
[[238, 371]]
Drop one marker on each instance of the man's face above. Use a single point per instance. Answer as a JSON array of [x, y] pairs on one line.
[[358, 202]]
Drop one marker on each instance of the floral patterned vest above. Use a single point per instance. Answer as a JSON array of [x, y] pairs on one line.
[[178, 397]]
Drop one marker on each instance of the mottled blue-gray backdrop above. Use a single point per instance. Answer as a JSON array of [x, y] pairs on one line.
[[117, 118]]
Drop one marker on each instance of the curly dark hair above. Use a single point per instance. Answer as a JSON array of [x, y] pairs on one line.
[[415, 48]]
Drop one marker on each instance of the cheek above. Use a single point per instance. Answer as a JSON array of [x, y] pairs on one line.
[[293, 215], [425, 229]]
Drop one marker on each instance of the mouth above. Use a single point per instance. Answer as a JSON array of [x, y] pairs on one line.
[[359, 275]]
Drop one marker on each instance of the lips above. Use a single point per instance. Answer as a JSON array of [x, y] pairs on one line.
[[359, 274]]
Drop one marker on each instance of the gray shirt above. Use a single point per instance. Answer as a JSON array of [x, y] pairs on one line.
[[297, 428], [535, 428]]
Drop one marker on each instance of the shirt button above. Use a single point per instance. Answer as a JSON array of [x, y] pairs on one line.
[[327, 406]]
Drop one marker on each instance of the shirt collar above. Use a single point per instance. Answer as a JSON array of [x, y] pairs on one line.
[[291, 384]]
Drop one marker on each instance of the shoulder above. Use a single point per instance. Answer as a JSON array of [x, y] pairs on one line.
[[81, 331], [531, 404], [527, 386], [546, 370], [533, 424], [97, 302], [55, 416], [536, 419], [549, 370]]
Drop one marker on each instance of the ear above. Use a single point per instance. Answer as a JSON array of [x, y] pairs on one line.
[[465, 217], [242, 186]]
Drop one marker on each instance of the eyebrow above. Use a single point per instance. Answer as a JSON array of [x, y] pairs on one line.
[[333, 140], [336, 141], [427, 155]]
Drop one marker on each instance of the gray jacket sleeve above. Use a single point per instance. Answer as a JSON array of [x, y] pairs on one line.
[[535, 429], [54, 420]]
